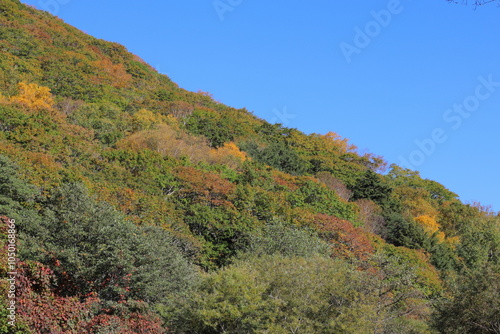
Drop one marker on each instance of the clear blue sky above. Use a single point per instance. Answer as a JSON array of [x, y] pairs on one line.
[[417, 82]]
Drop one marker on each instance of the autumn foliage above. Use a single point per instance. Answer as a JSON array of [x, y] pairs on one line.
[[347, 241], [46, 312], [145, 208], [33, 96]]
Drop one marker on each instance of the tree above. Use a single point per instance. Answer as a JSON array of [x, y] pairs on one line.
[[13, 190], [404, 232], [161, 271], [216, 128], [408, 285], [334, 184], [276, 294], [371, 186], [279, 238], [370, 215], [45, 311], [475, 307], [33, 96], [346, 240], [179, 109], [278, 154], [93, 249]]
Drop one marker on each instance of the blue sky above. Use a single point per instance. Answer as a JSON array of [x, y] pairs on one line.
[[417, 82]]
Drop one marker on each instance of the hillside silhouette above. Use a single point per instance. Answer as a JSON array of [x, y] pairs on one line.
[[141, 207]]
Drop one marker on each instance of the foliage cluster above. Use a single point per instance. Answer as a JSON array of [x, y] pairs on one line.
[[144, 208]]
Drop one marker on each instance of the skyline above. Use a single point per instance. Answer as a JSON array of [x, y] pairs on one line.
[[416, 83]]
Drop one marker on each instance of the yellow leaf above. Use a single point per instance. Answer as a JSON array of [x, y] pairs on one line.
[[33, 96]]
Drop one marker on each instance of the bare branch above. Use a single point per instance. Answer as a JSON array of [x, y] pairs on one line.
[[477, 3]]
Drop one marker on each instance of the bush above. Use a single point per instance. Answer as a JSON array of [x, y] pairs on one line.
[[13, 191], [278, 155], [92, 248], [475, 307], [279, 238], [274, 294]]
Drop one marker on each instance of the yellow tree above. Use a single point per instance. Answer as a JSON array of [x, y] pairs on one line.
[[33, 96], [431, 226], [146, 120]]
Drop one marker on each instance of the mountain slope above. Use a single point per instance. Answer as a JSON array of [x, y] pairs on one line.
[[142, 207]]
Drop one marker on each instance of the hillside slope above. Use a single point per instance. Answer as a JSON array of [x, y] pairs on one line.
[[141, 207]]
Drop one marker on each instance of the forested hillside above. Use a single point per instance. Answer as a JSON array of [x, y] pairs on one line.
[[141, 207]]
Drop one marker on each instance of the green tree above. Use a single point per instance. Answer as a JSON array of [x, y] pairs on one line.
[[475, 307], [408, 286], [371, 186], [279, 238], [275, 294], [161, 271], [279, 155], [319, 198], [217, 129], [92, 248], [14, 192], [404, 232]]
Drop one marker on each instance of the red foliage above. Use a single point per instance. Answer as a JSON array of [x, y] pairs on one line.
[[348, 241], [110, 73], [205, 187], [285, 180], [139, 323], [44, 310]]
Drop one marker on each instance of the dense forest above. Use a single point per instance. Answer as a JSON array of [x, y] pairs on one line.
[[141, 207]]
